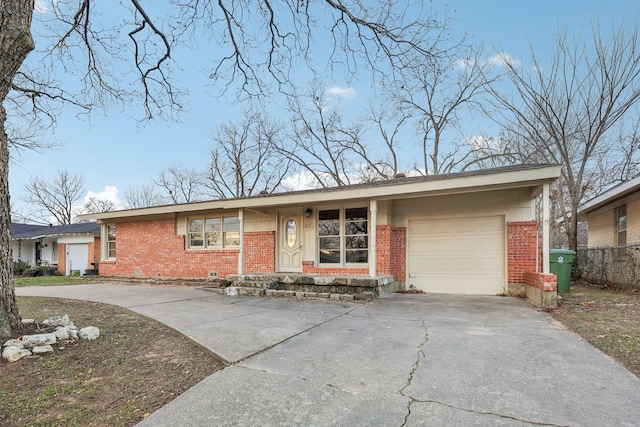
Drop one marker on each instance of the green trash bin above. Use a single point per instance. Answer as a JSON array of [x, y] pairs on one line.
[[560, 261]]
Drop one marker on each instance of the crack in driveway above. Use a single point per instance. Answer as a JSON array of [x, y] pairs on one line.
[[422, 356]]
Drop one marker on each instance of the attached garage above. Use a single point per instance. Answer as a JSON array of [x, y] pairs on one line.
[[457, 255]]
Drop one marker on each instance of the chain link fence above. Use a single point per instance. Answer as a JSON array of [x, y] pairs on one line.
[[614, 266]]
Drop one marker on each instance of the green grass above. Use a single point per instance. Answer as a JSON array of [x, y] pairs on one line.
[[49, 281]]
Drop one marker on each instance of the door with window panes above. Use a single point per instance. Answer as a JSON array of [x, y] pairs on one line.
[[290, 241]]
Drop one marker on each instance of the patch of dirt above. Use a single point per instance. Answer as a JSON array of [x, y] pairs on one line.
[[136, 366], [609, 319]]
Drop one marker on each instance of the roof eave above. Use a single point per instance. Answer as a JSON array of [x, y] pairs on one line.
[[502, 180]]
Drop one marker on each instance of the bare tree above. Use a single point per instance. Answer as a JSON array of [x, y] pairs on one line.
[[244, 159], [564, 111], [55, 199], [143, 197], [258, 44], [181, 183], [434, 94], [319, 141], [94, 205]]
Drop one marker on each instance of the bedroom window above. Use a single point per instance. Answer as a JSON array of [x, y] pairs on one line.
[[621, 225], [111, 242], [343, 236], [213, 232]]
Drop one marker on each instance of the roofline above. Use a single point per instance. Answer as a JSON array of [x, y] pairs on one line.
[[508, 177], [609, 196]]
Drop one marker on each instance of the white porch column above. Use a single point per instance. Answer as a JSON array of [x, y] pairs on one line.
[[373, 208], [545, 228], [241, 253]]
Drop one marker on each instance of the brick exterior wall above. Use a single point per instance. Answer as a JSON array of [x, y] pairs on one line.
[[546, 282], [94, 253], [62, 258], [383, 249], [633, 222], [308, 267], [399, 253], [260, 252], [153, 249], [601, 229], [522, 247]]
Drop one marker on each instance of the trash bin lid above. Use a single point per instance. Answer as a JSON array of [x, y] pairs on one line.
[[562, 252]]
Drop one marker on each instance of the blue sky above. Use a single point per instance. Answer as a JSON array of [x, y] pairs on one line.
[[112, 152]]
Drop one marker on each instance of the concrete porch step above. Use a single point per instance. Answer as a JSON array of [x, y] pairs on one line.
[[275, 293]]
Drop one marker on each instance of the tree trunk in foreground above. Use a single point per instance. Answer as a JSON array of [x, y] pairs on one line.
[[15, 44]]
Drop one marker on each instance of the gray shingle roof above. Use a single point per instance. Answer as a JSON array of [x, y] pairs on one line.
[[32, 231]]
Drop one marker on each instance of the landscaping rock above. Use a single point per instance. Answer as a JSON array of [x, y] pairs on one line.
[[39, 344], [62, 333], [38, 339], [58, 320], [89, 333], [13, 354], [13, 343], [42, 349]]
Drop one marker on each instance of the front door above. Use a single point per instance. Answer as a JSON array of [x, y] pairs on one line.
[[290, 241]]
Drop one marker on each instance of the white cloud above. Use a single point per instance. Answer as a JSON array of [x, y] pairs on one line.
[[110, 193], [503, 59], [342, 92], [43, 6], [465, 63]]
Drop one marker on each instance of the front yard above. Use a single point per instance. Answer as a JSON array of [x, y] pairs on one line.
[[609, 319]]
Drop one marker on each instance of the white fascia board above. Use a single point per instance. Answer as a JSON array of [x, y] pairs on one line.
[[450, 185]]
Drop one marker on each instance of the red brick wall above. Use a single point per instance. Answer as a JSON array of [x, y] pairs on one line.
[[383, 249], [308, 267], [522, 249], [546, 282], [94, 253], [259, 252], [153, 249], [62, 258], [399, 253]]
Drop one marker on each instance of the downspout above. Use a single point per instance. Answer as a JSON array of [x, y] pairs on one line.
[[373, 208], [545, 229], [241, 252]]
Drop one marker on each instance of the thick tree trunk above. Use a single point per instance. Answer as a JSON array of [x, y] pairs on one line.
[[15, 44]]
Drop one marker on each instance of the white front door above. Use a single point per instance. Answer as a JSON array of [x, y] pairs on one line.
[[290, 241]]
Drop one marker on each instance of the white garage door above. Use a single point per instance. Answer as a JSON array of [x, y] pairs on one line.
[[461, 255], [77, 257]]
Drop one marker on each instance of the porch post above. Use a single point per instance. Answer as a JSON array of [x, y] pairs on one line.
[[241, 252], [373, 208], [545, 228]]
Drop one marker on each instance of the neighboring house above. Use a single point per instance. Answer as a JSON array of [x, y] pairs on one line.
[[614, 216], [612, 255], [470, 232], [67, 248]]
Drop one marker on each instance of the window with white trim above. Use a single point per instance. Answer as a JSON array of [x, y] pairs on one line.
[[110, 242], [343, 236], [213, 232], [621, 225]]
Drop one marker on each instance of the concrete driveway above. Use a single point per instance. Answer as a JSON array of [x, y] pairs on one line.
[[402, 360]]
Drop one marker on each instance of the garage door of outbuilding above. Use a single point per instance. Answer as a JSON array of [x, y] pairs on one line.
[[77, 257], [458, 255]]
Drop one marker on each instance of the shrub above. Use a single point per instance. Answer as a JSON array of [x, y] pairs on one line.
[[21, 268]]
